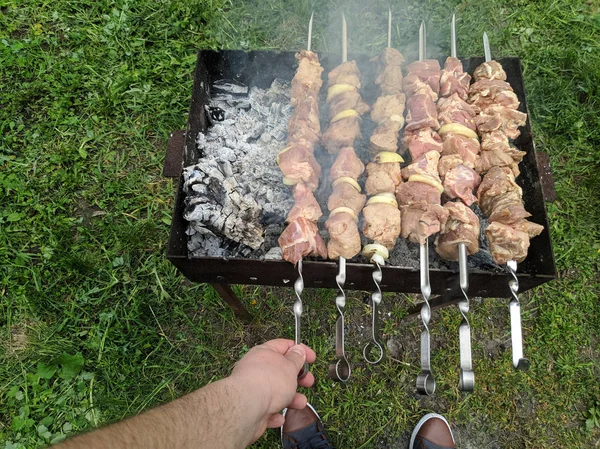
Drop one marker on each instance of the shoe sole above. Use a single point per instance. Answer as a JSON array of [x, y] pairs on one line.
[[285, 411], [420, 424]]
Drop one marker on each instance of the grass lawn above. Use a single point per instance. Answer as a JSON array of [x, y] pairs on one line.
[[96, 325]]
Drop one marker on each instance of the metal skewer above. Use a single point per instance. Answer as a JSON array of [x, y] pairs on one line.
[[453, 36], [377, 296], [340, 369], [467, 376], [516, 331], [425, 380], [299, 284], [298, 309], [389, 28]]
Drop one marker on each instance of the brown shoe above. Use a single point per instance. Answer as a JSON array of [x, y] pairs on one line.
[[303, 429], [432, 432]]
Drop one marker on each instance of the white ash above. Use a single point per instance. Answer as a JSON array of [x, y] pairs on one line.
[[236, 203]]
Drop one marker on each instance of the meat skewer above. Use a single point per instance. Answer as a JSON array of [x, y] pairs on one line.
[[499, 196], [420, 197], [300, 170], [381, 216], [462, 227], [346, 200]]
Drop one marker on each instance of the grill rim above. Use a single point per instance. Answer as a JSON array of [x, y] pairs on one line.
[[240, 65]]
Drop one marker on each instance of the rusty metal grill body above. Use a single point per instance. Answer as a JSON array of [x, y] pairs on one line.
[[260, 68]]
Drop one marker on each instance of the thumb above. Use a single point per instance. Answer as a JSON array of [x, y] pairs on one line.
[[297, 355]]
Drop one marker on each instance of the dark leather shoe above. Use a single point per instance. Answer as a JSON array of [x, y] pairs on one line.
[[432, 432], [303, 429]]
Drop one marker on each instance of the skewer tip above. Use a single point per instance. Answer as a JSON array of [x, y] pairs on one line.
[[389, 42], [310, 27]]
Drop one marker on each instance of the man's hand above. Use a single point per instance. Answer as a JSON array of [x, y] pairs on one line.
[[271, 369]]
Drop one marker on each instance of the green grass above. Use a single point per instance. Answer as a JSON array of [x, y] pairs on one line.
[[96, 325]]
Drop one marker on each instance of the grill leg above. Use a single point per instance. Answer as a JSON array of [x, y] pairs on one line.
[[228, 295]]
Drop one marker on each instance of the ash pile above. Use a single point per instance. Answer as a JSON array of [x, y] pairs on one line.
[[235, 202]]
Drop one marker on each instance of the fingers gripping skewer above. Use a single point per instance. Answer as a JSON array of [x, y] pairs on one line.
[[516, 332], [340, 369], [425, 380], [298, 309], [467, 376]]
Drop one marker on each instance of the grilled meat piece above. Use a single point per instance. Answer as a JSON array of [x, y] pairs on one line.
[[453, 109], [346, 164], [454, 80], [422, 113], [460, 182], [498, 185], [414, 85], [486, 93], [491, 70], [345, 195], [389, 68], [340, 134], [427, 164], [428, 71], [382, 178], [381, 223], [305, 205], [386, 106], [385, 136], [347, 100], [507, 243], [467, 149], [410, 193], [499, 118], [299, 164], [345, 73], [304, 122], [307, 81], [420, 141], [462, 226], [490, 159], [300, 239], [344, 238], [420, 220], [447, 163], [497, 141]]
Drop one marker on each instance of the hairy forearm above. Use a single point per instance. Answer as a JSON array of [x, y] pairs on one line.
[[223, 414]]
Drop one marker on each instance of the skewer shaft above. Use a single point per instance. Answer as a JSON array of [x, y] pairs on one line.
[[376, 298], [425, 380], [389, 41], [310, 26], [422, 42], [298, 309], [486, 48], [516, 332], [344, 39], [340, 369], [453, 36], [467, 376]]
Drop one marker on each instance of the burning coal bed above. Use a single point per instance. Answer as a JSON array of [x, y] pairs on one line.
[[236, 203]]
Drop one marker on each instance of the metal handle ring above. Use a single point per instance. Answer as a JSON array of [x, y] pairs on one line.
[[367, 350]]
